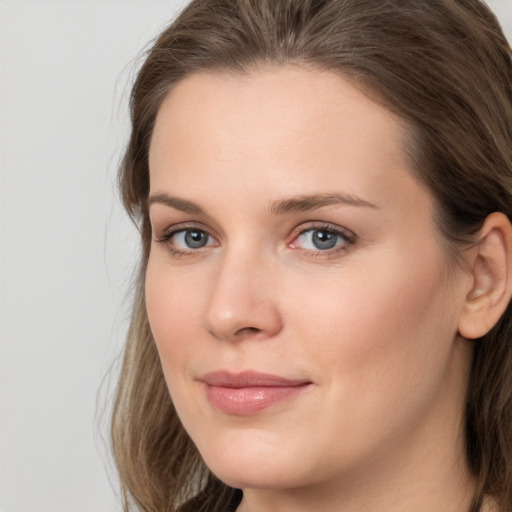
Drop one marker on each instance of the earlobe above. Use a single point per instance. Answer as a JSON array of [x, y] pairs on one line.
[[491, 289]]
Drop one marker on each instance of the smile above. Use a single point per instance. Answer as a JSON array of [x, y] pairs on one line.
[[247, 393]]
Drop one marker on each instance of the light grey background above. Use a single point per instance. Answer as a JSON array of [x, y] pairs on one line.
[[66, 248]]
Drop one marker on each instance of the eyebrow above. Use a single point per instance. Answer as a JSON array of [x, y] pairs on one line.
[[176, 203], [302, 203]]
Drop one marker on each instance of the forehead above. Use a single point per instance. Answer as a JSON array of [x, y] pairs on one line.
[[288, 98], [285, 128]]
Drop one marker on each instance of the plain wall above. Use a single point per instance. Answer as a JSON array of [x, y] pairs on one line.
[[66, 248]]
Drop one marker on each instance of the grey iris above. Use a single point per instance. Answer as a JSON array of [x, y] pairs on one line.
[[196, 239], [324, 239]]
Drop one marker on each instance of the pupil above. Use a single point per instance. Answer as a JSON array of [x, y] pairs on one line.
[[195, 239], [324, 239]]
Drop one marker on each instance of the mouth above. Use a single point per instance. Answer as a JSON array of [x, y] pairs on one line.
[[246, 393]]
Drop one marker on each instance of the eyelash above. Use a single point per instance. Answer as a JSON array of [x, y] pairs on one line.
[[348, 239], [180, 253]]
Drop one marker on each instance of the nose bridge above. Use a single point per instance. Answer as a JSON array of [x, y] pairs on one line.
[[242, 301]]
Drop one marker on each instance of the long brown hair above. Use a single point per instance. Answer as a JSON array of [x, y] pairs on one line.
[[444, 66]]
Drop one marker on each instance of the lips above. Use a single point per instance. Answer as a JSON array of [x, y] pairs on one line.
[[249, 392]]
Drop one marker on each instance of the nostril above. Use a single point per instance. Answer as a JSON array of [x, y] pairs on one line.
[[247, 331]]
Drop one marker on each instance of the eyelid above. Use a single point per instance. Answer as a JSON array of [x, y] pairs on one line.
[[165, 234], [327, 226], [346, 234], [348, 237]]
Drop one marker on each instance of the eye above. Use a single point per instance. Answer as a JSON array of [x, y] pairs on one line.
[[190, 239], [319, 239], [186, 241]]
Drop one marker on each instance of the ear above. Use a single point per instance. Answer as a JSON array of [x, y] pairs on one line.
[[492, 280]]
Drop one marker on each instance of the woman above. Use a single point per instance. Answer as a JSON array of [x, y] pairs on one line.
[[322, 316]]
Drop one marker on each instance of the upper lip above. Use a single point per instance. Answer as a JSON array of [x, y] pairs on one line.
[[250, 378]]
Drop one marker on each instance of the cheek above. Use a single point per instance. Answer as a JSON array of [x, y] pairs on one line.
[[390, 320], [174, 312]]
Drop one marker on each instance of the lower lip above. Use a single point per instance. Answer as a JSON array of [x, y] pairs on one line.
[[250, 400]]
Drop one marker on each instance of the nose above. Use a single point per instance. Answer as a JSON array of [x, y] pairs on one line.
[[243, 303]]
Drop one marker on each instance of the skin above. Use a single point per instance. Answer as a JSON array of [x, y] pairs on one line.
[[372, 324]]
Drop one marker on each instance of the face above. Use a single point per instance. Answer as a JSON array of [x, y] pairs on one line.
[[297, 287]]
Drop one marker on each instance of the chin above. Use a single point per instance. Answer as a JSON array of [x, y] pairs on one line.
[[254, 460], [246, 474]]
